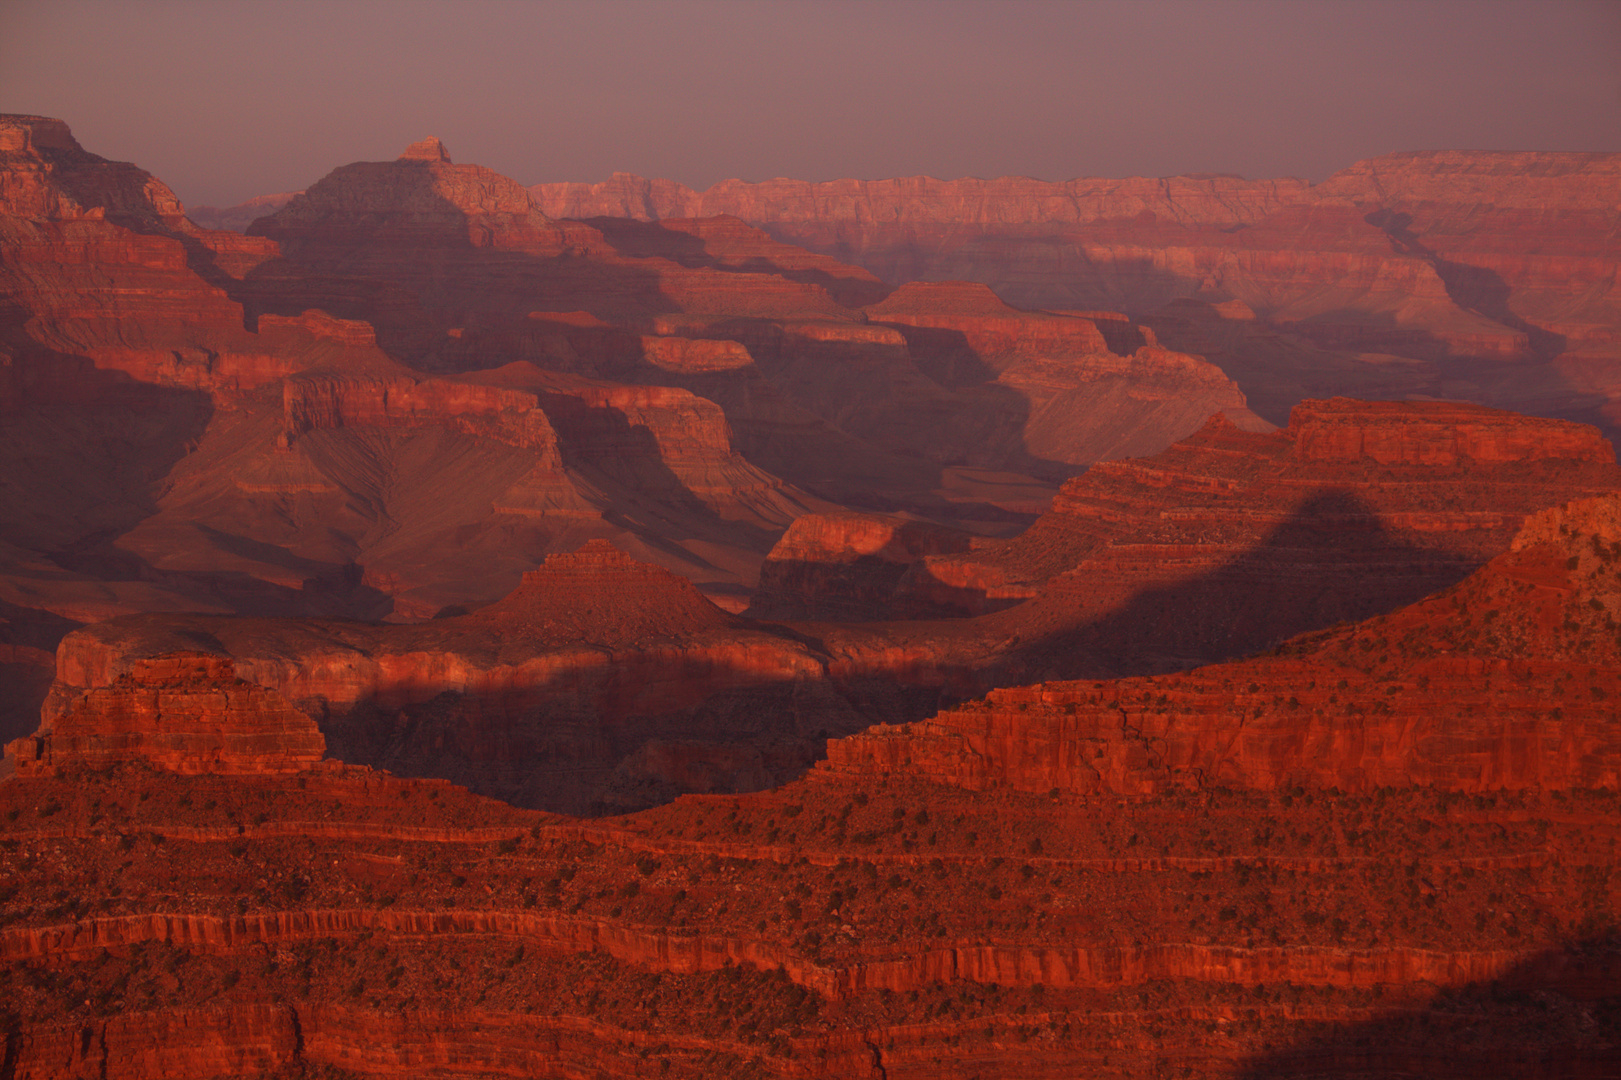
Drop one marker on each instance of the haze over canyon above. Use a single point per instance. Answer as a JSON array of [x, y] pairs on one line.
[[882, 628]]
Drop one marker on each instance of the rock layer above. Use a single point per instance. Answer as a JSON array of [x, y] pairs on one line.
[[599, 683], [835, 928], [1502, 682], [185, 712], [1231, 541], [1399, 274]]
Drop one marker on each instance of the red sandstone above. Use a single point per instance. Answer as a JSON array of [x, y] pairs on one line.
[[185, 712]]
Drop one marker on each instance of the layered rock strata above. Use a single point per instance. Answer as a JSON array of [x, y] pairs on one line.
[[1411, 272], [601, 682], [835, 928], [1216, 878], [1231, 541], [1069, 401], [1502, 682], [184, 712], [207, 437]]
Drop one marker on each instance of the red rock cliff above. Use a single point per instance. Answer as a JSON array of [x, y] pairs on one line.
[[1351, 503], [1502, 682], [185, 712]]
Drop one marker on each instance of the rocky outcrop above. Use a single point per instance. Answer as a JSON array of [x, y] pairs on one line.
[[1354, 508], [1436, 435], [186, 712], [101, 263], [831, 567], [1452, 693], [600, 682]]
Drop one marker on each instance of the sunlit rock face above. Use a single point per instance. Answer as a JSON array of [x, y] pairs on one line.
[[182, 712]]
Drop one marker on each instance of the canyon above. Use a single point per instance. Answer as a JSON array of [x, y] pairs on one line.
[[408, 385], [1089, 878], [1478, 275], [901, 628], [603, 683]]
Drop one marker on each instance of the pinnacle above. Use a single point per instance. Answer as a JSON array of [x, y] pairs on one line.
[[429, 149]]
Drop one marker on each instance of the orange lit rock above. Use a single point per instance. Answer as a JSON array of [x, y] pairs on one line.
[[185, 712]]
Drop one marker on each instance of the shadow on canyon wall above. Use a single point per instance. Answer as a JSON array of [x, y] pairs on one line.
[[603, 439], [637, 729], [1558, 1015], [87, 448], [1333, 560], [1473, 288]]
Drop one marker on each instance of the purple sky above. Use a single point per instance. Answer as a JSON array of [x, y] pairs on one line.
[[226, 99]]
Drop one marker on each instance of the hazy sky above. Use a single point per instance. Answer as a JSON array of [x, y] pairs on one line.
[[225, 99]]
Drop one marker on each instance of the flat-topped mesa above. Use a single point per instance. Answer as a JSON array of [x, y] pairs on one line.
[[1436, 433], [400, 400], [994, 330], [1504, 682], [600, 595], [186, 712], [1361, 506], [1353, 444], [20, 133]]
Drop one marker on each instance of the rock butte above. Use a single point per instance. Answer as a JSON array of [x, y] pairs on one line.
[[184, 712]]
